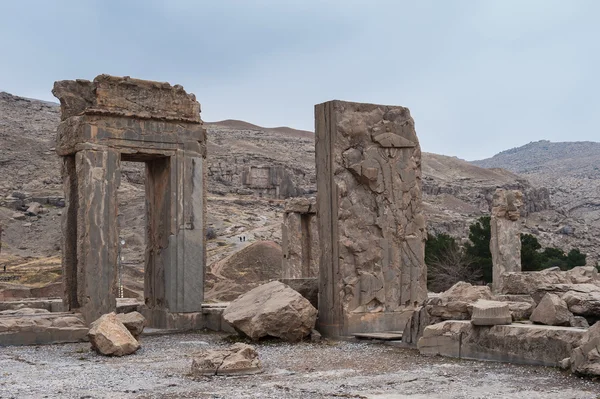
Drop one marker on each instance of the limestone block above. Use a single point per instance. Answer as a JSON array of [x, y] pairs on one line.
[[133, 321], [272, 309], [505, 243], [126, 96], [515, 343], [585, 359], [239, 358], [528, 282], [110, 337], [583, 303], [490, 313], [552, 311]]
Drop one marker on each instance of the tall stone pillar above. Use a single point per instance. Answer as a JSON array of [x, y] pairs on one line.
[[505, 242], [300, 239], [98, 178], [371, 224]]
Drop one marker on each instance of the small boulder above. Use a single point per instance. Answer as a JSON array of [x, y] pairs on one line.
[[583, 303], [18, 216], [34, 208], [110, 337], [579, 322], [272, 309], [466, 292], [239, 358], [552, 311], [490, 313], [585, 359], [133, 321]]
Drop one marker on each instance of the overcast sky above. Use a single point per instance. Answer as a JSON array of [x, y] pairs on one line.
[[479, 76]]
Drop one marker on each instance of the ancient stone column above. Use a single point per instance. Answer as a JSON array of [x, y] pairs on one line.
[[371, 224], [300, 239], [505, 243]]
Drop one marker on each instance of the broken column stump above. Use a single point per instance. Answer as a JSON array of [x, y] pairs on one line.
[[505, 242]]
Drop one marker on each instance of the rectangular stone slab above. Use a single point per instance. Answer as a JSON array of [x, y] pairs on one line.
[[383, 336], [514, 343], [371, 223]]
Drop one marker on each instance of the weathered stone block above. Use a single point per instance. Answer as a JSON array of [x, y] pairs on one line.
[[371, 223], [514, 343], [552, 311], [490, 313], [272, 309]]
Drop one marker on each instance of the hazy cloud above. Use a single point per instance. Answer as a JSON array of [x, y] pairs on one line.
[[478, 76]]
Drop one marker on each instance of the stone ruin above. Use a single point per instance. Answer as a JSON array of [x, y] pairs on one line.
[[371, 224], [300, 239], [505, 242], [269, 181], [107, 121]]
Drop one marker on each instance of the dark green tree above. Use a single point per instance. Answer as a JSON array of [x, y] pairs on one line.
[[531, 259], [479, 247]]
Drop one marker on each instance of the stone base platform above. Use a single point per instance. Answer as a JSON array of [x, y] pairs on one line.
[[49, 304], [211, 318], [514, 343], [41, 328]]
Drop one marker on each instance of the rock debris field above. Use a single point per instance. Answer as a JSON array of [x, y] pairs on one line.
[[329, 369]]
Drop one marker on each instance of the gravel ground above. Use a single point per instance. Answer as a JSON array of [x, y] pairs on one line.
[[324, 370]]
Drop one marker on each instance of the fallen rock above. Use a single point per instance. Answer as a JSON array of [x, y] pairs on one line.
[[315, 336], [579, 322], [272, 309], [490, 313], [18, 216], [552, 311], [34, 208], [585, 359], [239, 358], [583, 303], [307, 287], [466, 292], [133, 321], [530, 282], [110, 337]]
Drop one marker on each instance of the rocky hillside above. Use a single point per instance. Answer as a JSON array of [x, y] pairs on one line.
[[245, 163], [571, 172]]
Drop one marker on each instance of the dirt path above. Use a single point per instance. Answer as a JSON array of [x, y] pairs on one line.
[[327, 370]]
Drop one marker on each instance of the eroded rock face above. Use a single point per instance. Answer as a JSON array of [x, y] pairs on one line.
[[110, 337], [371, 223], [552, 311], [133, 321], [585, 359], [505, 243], [272, 309], [490, 313], [239, 358]]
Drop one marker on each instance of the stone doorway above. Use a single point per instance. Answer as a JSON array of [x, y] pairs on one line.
[[103, 123]]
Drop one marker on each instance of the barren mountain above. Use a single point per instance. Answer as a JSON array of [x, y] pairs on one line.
[[455, 192], [571, 171]]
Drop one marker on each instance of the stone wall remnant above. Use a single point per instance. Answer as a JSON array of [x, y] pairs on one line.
[[371, 223], [300, 239], [505, 243], [113, 119]]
